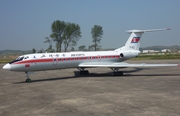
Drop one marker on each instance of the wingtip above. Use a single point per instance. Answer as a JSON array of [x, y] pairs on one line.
[[178, 65], [168, 28]]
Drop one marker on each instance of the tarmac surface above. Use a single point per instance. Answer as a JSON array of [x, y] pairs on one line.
[[140, 92]]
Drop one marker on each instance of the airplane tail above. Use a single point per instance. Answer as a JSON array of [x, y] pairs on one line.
[[133, 43]]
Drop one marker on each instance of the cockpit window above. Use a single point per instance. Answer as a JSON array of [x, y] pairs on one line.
[[26, 57], [18, 59]]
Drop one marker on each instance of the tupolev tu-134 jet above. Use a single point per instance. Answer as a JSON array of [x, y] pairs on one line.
[[81, 60]]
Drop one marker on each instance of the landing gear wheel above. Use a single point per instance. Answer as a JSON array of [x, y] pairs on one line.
[[28, 80], [121, 73], [84, 72], [118, 73]]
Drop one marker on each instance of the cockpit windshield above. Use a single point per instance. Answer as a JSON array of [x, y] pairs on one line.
[[17, 59]]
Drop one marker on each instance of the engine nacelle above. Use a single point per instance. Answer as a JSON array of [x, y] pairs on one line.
[[128, 54]]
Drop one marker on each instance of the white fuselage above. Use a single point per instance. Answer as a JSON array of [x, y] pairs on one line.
[[51, 61]]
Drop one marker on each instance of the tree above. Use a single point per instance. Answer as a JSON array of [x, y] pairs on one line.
[[98, 47], [97, 33], [41, 51], [91, 48], [71, 35], [82, 48], [58, 28], [33, 50], [72, 49], [47, 40], [65, 33]]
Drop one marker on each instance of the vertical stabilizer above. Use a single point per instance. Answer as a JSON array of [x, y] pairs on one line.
[[133, 43]]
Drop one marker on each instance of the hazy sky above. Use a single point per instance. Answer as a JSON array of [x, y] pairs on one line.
[[25, 23]]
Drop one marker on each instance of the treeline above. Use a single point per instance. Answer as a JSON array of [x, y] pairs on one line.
[[175, 48], [65, 35]]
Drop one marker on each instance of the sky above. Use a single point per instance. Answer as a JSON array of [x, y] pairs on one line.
[[24, 24]]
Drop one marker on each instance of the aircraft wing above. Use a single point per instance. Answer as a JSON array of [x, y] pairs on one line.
[[121, 65]]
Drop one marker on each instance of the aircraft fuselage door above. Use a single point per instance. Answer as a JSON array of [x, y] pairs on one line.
[[55, 60], [99, 57]]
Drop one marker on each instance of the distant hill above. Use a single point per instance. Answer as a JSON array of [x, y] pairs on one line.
[[7, 52]]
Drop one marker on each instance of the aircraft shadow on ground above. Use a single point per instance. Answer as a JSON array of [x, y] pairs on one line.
[[103, 75]]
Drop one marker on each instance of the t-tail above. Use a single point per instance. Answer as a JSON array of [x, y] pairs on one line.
[[133, 43]]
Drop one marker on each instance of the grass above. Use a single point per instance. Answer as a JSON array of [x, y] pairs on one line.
[[5, 60], [157, 57]]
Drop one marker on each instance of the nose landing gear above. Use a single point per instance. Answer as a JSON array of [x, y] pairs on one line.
[[28, 80]]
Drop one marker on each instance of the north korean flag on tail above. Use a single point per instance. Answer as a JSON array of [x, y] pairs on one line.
[[135, 39]]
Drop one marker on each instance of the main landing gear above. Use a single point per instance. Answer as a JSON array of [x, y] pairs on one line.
[[116, 72], [28, 80], [83, 72]]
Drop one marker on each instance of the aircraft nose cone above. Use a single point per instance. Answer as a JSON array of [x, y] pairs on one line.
[[7, 67]]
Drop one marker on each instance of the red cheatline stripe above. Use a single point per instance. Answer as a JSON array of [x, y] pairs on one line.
[[65, 59], [34, 61]]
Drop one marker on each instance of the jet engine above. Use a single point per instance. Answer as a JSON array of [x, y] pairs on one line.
[[127, 55]]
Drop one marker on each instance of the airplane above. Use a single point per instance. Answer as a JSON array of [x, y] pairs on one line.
[[111, 59]]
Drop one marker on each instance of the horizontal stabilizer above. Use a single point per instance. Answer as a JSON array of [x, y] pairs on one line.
[[150, 30]]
